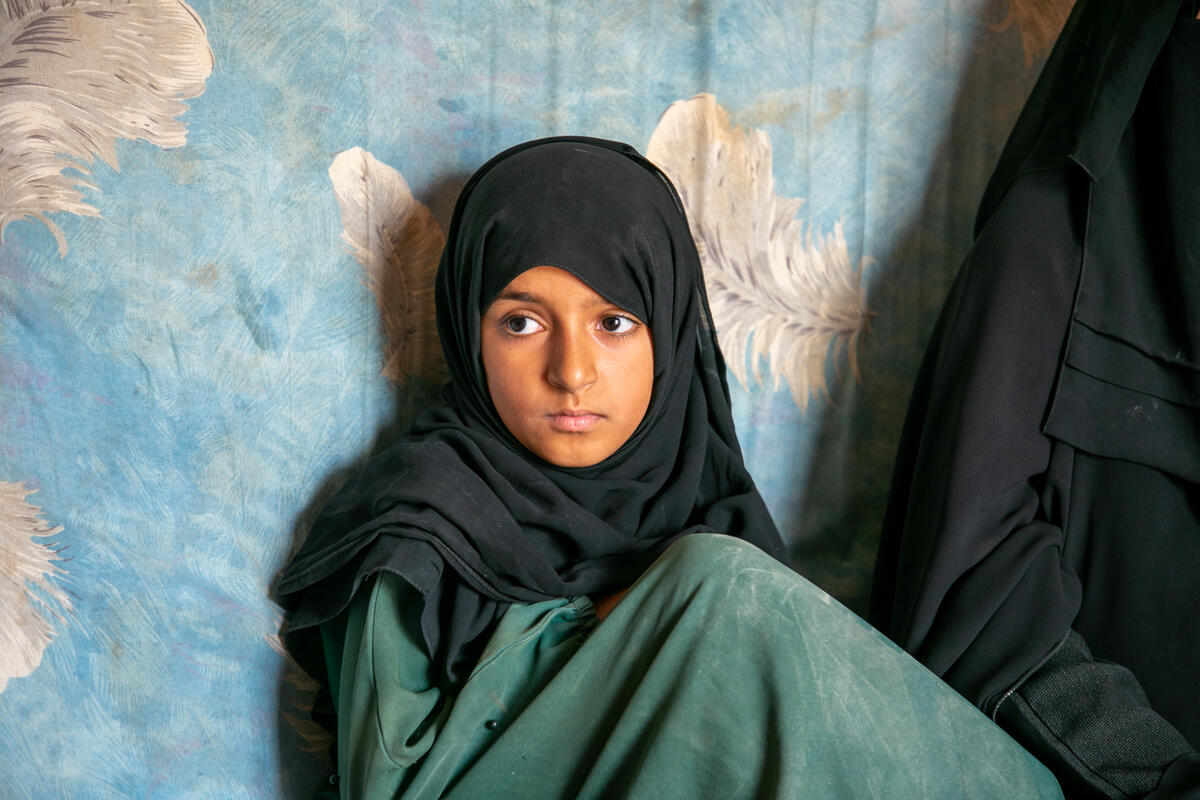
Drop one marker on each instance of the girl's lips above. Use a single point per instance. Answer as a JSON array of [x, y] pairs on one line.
[[573, 421]]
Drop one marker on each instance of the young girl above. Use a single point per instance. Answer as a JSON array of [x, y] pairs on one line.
[[583, 468]]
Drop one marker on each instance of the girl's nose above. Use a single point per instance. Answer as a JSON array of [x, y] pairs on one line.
[[572, 363]]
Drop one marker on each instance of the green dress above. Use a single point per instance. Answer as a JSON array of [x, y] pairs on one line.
[[721, 674]]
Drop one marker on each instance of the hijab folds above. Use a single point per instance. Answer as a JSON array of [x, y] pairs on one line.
[[460, 509]]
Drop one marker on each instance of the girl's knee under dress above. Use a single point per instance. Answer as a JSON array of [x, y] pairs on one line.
[[721, 674]]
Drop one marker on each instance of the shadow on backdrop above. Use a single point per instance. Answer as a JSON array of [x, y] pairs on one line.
[[836, 540], [409, 397]]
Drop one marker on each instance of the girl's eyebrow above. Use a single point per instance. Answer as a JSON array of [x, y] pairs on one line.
[[531, 297], [520, 297]]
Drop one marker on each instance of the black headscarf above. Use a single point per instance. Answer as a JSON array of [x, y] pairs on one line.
[[466, 514]]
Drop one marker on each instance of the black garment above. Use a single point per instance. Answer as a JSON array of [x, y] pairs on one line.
[[462, 511], [1041, 548]]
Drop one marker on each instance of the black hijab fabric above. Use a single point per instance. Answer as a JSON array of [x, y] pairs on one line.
[[461, 510]]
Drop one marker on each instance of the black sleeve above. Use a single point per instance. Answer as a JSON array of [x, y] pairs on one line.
[[972, 577], [1090, 722]]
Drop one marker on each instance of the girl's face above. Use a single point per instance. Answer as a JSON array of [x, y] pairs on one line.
[[570, 374]]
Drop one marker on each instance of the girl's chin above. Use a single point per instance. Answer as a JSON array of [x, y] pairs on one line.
[[578, 450]]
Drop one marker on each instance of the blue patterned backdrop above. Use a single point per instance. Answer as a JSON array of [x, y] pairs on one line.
[[218, 225]]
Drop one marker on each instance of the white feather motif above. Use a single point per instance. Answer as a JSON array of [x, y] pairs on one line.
[[30, 587], [397, 241], [777, 292], [77, 76]]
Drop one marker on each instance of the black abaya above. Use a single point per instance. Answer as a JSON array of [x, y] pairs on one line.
[[1042, 544]]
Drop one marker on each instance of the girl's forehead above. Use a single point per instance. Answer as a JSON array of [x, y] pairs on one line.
[[549, 284], [591, 211], [553, 287]]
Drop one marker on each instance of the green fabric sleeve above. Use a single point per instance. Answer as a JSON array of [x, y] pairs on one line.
[[386, 700]]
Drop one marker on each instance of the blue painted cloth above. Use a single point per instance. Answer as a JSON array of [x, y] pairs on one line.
[[201, 370]]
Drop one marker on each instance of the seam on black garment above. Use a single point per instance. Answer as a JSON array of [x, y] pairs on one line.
[[1179, 365], [1074, 153], [1066, 345], [995, 712]]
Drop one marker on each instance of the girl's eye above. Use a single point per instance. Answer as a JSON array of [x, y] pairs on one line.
[[618, 324], [520, 326]]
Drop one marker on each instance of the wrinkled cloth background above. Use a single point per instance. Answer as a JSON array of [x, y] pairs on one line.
[[219, 223]]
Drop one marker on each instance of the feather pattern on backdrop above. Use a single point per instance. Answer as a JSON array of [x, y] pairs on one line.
[[778, 293], [397, 241], [30, 584], [76, 77]]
